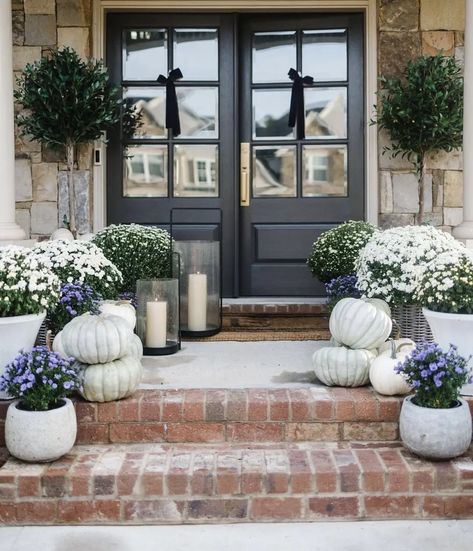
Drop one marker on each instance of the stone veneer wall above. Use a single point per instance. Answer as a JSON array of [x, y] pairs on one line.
[[406, 29]]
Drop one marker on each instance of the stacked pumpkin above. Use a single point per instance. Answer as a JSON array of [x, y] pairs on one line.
[[359, 351], [107, 350]]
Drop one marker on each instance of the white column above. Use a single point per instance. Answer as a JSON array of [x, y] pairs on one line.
[[465, 230], [10, 232]]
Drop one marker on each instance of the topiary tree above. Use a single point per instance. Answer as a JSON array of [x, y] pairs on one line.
[[422, 112], [69, 102]]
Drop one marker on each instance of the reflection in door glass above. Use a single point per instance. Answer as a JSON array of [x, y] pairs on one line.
[[326, 112], [274, 53], [324, 54], [198, 112], [270, 114], [196, 170], [150, 103], [325, 171], [145, 170], [196, 53], [144, 54], [274, 171]]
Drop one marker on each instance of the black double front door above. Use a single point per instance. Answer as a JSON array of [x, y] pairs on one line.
[[237, 171]]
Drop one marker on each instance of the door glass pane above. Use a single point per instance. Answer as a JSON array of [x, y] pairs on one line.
[[144, 54], [151, 104], [274, 171], [196, 170], [198, 112], [196, 53], [274, 53], [145, 171], [270, 114], [325, 171], [326, 112], [324, 54]]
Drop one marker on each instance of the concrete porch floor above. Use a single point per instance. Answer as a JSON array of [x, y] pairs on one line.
[[321, 536], [276, 364]]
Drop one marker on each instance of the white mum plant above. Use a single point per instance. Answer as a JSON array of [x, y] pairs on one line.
[[393, 262], [27, 284], [447, 283], [82, 262]]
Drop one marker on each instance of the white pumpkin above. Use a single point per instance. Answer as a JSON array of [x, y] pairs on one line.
[[380, 304], [341, 366], [62, 234], [57, 345], [382, 375], [135, 348], [111, 381], [121, 308], [387, 346], [358, 324], [333, 342], [96, 339]]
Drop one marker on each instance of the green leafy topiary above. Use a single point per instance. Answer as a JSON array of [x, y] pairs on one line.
[[422, 112], [139, 252], [336, 250], [68, 102]]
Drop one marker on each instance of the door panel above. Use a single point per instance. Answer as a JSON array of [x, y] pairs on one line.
[[298, 187], [153, 172]]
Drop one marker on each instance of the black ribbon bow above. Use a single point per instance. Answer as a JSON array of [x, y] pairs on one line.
[[297, 110], [172, 108]]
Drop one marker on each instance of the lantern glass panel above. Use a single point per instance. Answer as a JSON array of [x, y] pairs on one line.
[[158, 315], [200, 286]]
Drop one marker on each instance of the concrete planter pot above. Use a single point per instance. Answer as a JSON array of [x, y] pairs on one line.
[[40, 436], [17, 333], [435, 433]]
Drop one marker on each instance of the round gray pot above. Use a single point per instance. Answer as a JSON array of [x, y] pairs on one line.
[[435, 433]]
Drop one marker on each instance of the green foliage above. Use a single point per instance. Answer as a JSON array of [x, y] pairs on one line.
[[139, 252], [423, 112], [336, 250], [69, 101]]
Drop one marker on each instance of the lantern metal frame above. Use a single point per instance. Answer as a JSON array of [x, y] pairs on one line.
[[173, 224], [171, 347]]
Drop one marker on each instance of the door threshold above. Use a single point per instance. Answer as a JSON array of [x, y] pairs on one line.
[[274, 301]]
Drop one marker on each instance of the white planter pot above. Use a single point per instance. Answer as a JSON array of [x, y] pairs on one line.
[[38, 436], [452, 329], [17, 333], [435, 433]]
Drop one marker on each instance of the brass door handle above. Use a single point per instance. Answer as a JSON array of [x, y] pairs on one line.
[[244, 175]]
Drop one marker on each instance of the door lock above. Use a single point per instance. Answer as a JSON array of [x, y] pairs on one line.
[[244, 175]]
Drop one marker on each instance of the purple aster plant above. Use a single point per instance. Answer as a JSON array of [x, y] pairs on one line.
[[341, 287], [74, 299], [435, 375], [40, 379]]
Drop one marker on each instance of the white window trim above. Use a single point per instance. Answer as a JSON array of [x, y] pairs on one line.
[[101, 7]]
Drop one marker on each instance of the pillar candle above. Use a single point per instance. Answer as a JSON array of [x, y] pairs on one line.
[[156, 324], [197, 302]]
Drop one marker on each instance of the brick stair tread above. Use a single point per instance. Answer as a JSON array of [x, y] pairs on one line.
[[182, 483], [317, 413]]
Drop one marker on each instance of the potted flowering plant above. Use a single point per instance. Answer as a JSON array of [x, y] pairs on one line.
[[81, 262], [391, 266], [446, 292], [41, 423], [74, 299], [341, 287], [139, 252], [27, 289], [435, 422]]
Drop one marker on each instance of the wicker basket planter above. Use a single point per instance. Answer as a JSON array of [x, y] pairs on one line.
[[45, 335], [412, 323]]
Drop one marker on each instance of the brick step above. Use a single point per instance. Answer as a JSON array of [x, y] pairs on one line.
[[275, 316], [165, 484], [232, 415]]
